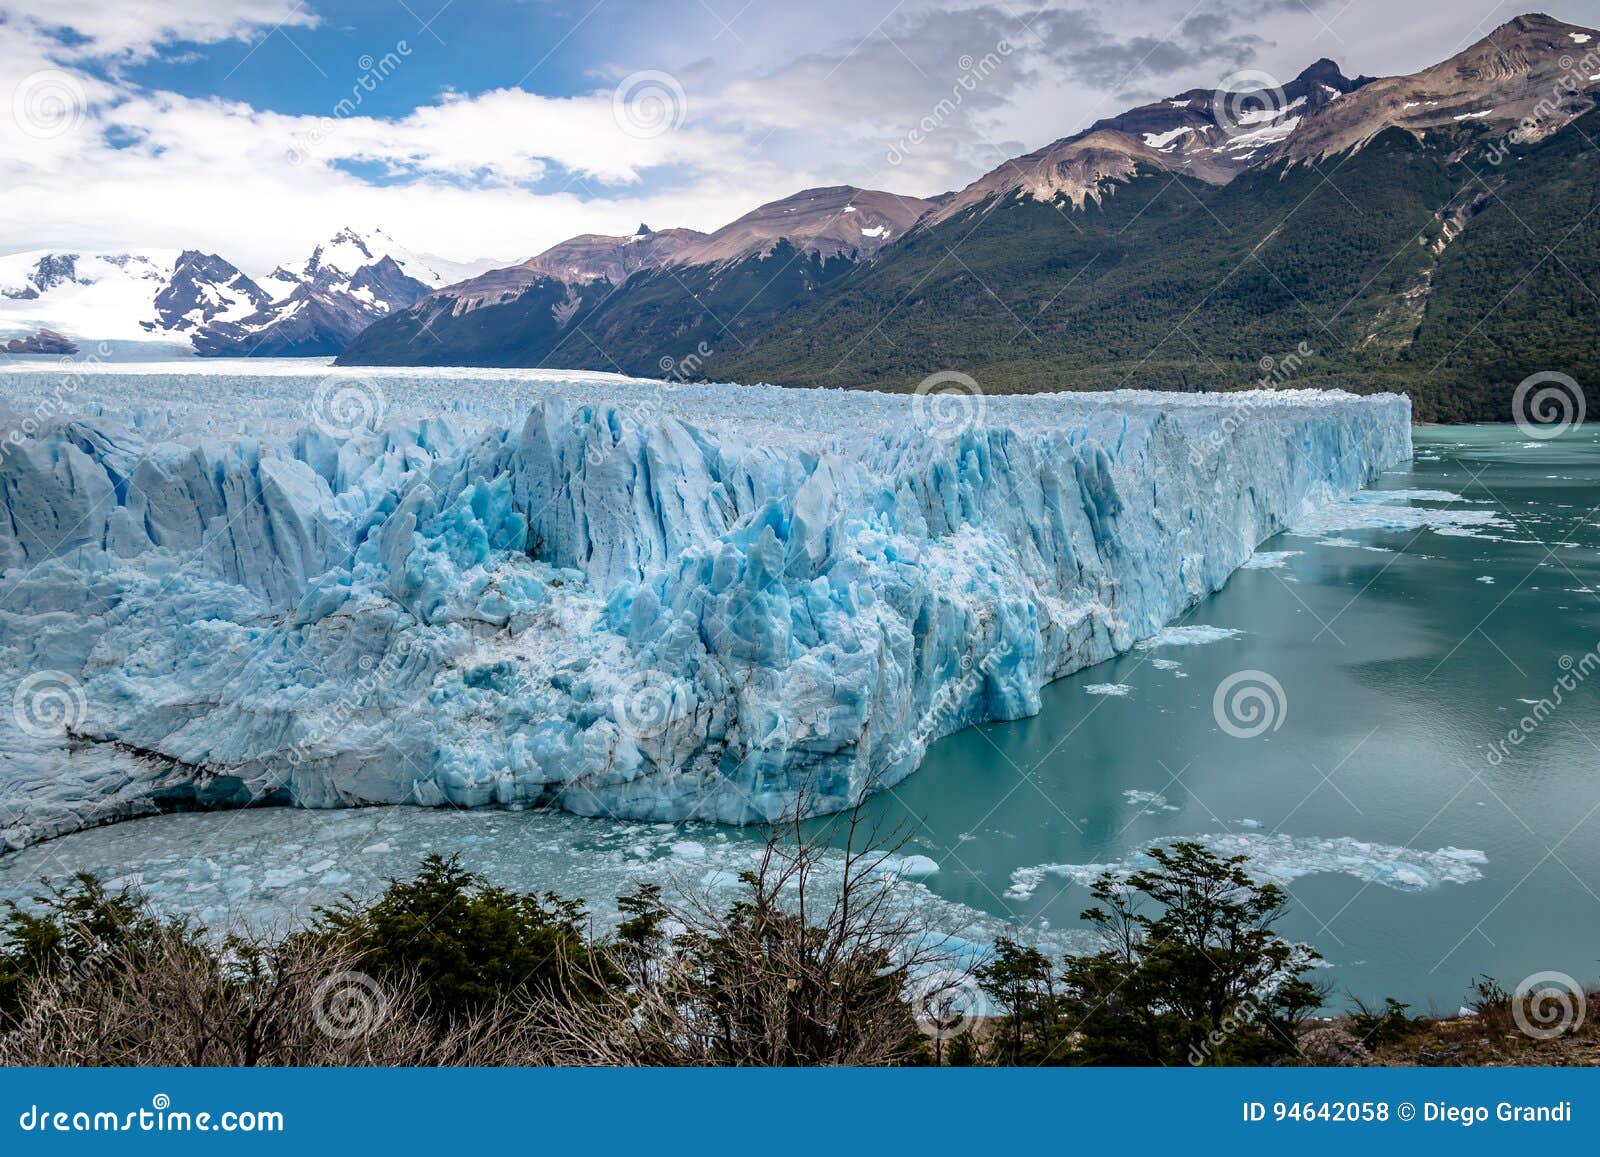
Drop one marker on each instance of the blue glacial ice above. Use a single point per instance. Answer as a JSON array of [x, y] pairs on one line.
[[655, 601]]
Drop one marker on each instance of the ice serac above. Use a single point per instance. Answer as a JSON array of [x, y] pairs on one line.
[[639, 600]]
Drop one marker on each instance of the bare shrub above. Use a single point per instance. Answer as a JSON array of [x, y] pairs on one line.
[[809, 966], [173, 999]]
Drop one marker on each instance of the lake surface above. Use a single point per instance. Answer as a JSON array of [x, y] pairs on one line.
[[1376, 750]]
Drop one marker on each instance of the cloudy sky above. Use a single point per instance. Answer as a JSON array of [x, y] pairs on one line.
[[493, 128]]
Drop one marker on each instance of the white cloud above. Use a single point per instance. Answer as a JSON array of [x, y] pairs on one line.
[[261, 187], [133, 29], [786, 99]]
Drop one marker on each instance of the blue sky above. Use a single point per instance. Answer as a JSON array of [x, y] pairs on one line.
[[494, 128]]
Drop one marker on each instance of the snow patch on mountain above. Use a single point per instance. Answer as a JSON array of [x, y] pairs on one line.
[[98, 296]]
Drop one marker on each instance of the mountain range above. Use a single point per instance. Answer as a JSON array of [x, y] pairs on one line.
[[201, 302], [1434, 233]]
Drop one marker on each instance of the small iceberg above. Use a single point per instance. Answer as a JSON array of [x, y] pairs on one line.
[[1281, 859]]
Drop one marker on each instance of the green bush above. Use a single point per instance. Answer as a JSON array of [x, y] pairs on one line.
[[1192, 973], [468, 943]]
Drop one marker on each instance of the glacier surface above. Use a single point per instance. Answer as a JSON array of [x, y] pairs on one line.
[[650, 600]]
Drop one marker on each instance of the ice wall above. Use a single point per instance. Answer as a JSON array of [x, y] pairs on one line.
[[651, 601]]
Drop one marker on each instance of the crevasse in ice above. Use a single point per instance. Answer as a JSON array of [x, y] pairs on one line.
[[620, 598]]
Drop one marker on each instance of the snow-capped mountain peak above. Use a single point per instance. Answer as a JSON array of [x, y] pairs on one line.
[[203, 301], [103, 296], [348, 252]]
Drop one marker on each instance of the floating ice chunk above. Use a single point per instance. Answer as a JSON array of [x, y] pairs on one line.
[[1381, 497], [1281, 859], [912, 867], [1148, 802], [257, 882], [1195, 636], [720, 878], [1115, 690], [1392, 510], [1269, 559]]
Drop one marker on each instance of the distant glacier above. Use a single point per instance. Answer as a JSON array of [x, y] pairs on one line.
[[639, 599]]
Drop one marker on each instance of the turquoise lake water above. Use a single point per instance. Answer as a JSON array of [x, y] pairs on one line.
[[1402, 659], [1394, 647]]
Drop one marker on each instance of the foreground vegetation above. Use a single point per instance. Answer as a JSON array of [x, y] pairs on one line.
[[813, 964]]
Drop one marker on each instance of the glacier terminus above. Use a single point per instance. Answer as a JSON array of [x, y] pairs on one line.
[[285, 583]]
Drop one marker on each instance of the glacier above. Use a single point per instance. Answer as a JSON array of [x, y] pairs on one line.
[[650, 600]]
